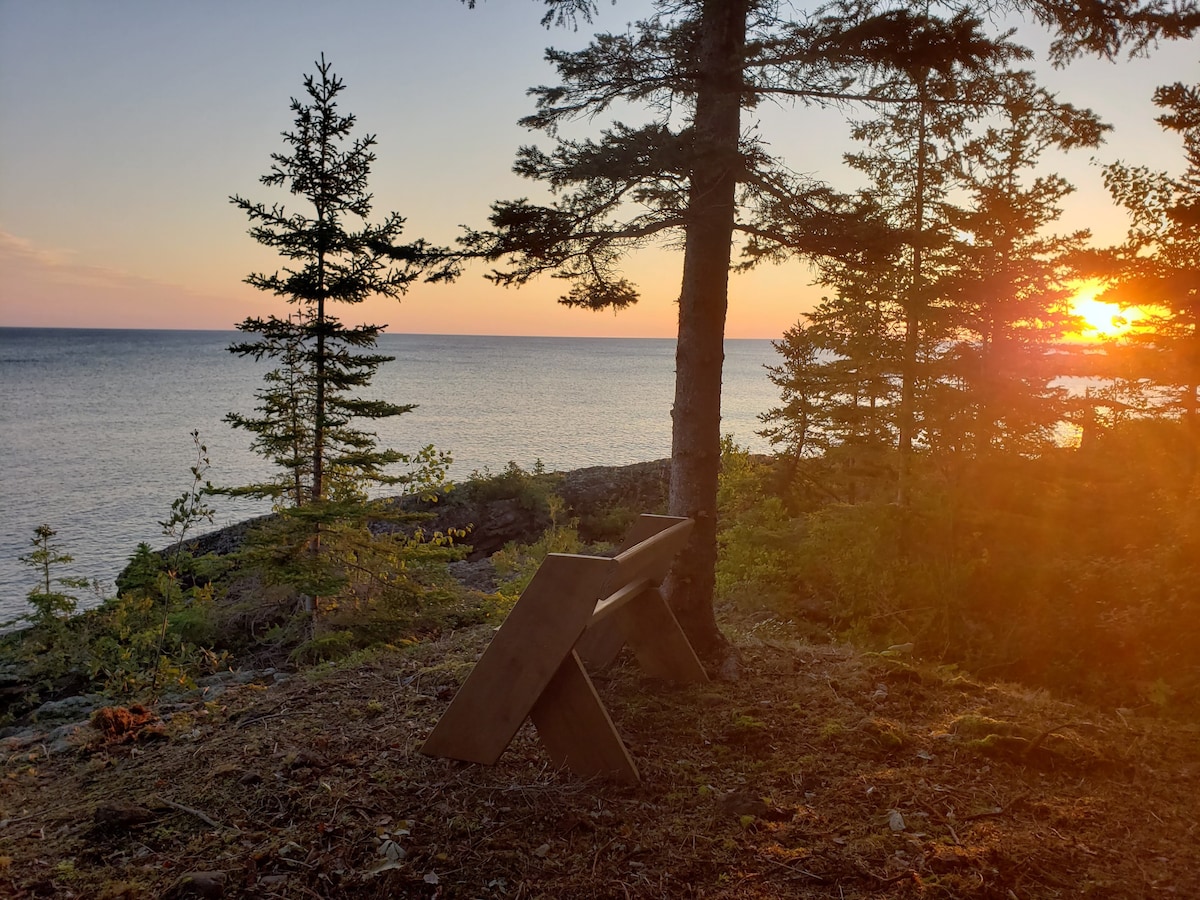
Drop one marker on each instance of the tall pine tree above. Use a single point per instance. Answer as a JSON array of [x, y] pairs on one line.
[[306, 421], [1012, 288]]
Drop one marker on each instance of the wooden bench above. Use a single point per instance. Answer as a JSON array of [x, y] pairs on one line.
[[533, 668]]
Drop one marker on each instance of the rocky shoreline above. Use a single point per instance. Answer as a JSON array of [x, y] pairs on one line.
[[493, 512], [492, 517]]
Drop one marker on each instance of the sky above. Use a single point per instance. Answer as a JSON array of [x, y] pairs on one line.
[[125, 126]]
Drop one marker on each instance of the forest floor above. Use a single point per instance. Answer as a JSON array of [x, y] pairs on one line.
[[823, 772]]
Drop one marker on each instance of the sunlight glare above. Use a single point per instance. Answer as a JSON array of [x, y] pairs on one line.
[[1101, 320]]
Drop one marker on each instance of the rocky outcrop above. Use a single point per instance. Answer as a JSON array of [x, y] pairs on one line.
[[496, 510]]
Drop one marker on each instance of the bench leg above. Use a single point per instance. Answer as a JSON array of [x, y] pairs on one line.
[[652, 631], [575, 728], [529, 647]]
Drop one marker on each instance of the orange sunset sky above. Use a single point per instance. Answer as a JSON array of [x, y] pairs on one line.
[[125, 126]]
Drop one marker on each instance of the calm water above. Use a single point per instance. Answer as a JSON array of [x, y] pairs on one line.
[[95, 424]]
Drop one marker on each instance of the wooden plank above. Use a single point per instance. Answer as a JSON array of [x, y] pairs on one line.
[[575, 728], [521, 660], [652, 631], [600, 644], [613, 602], [652, 557], [604, 637], [647, 526]]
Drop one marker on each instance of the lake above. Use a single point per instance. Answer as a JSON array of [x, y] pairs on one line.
[[95, 424]]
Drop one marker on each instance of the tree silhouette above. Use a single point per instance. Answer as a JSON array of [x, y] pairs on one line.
[[1158, 266], [305, 422]]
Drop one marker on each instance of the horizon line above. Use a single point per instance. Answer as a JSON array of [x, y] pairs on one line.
[[397, 333]]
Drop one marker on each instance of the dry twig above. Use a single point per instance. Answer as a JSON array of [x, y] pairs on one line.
[[195, 812]]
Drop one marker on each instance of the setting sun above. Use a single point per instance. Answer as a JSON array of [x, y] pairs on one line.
[[1100, 319]]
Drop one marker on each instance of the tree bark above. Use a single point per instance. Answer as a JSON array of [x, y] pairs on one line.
[[703, 300]]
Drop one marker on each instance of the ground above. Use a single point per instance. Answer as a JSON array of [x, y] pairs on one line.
[[823, 772]]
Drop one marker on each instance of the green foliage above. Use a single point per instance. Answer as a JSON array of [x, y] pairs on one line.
[[404, 615], [531, 488], [756, 534], [51, 648], [516, 564], [162, 629], [190, 509], [141, 572], [367, 551], [1073, 569], [380, 579], [50, 605], [195, 623], [611, 523], [324, 647], [157, 630]]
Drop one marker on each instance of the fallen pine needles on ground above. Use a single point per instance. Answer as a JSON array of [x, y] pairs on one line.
[[823, 772]]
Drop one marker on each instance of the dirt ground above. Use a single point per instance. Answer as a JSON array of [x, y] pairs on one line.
[[823, 772]]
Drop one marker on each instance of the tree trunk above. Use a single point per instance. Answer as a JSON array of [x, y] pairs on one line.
[[703, 300], [913, 307]]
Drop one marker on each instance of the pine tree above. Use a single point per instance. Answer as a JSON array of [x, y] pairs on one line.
[[960, 312], [857, 338], [931, 78], [307, 413], [51, 604], [282, 429], [636, 184], [1012, 289], [307, 421], [1160, 260]]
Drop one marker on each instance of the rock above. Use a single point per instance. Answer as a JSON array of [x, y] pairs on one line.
[[69, 708], [496, 520], [730, 668], [640, 487], [476, 574], [740, 803], [16, 738], [743, 803], [207, 885], [11, 679], [59, 739], [306, 759]]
